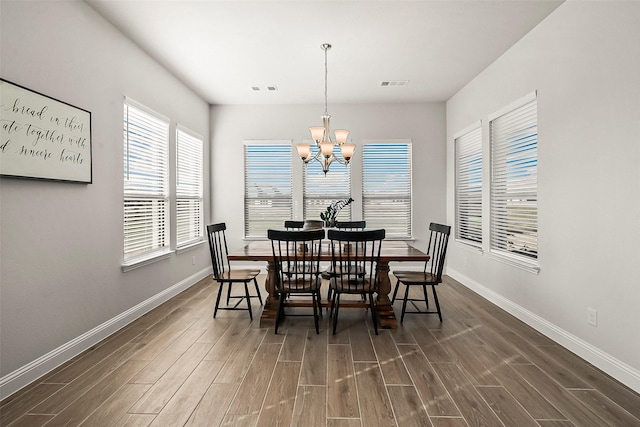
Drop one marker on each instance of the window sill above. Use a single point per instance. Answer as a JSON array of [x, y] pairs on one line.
[[138, 262], [190, 246], [401, 239], [520, 263]]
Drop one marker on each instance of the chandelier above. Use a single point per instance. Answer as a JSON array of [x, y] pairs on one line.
[[322, 138]]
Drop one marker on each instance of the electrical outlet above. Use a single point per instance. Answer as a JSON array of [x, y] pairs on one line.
[[193, 260], [592, 316]]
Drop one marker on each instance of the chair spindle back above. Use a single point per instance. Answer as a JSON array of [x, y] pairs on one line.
[[354, 259], [218, 248], [437, 249], [296, 256]]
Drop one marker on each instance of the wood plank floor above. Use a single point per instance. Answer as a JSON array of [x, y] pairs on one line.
[[178, 366]]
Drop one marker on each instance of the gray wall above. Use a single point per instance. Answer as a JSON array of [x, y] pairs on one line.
[[423, 124], [61, 246], [584, 61]]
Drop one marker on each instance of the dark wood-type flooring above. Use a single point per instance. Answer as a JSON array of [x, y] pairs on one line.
[[177, 366]]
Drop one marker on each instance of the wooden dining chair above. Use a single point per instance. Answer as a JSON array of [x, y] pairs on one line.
[[293, 225], [296, 260], [225, 275], [430, 276], [343, 225], [354, 268], [351, 225], [312, 224]]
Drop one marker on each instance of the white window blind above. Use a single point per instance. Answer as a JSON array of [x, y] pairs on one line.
[[189, 193], [386, 187], [321, 190], [468, 197], [146, 184], [514, 181], [268, 195]]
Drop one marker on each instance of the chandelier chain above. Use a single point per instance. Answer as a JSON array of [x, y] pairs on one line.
[[326, 72]]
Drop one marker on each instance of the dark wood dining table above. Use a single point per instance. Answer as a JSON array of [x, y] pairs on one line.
[[392, 251]]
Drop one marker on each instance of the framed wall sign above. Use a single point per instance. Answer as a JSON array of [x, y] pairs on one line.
[[42, 137]]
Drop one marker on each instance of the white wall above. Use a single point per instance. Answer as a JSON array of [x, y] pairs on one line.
[[424, 124], [61, 243], [584, 61]]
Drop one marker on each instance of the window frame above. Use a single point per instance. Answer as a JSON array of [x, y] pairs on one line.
[[268, 166], [468, 154], [408, 196], [500, 155], [194, 170], [151, 193]]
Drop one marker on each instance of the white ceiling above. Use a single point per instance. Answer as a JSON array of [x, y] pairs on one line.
[[223, 48]]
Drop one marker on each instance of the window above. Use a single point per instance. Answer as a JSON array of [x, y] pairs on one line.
[[514, 180], [468, 196], [189, 199], [386, 187], [321, 190], [278, 187], [268, 195], [146, 183]]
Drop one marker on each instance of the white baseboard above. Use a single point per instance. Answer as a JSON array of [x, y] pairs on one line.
[[30, 372], [619, 370]]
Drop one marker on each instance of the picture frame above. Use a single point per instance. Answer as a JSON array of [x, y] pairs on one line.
[[42, 137]]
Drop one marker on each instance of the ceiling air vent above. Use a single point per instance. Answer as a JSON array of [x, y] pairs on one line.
[[389, 83], [264, 88]]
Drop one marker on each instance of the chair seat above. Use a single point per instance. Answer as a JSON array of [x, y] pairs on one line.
[[359, 270], [352, 286], [300, 286], [416, 277], [330, 272], [239, 275], [300, 267]]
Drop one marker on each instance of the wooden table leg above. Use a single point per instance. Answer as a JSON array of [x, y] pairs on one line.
[[268, 317], [386, 315], [384, 308]]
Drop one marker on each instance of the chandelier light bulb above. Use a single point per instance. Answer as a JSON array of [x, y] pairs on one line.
[[317, 133], [341, 135], [347, 151], [326, 148], [304, 151]]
